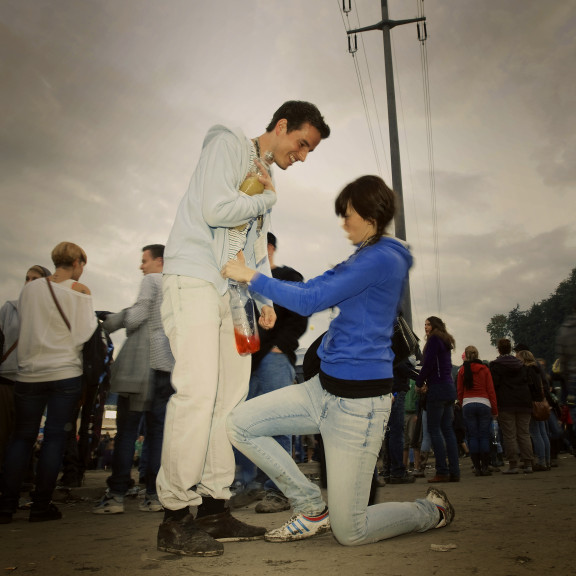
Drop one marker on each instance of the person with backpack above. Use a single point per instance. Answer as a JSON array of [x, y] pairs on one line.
[[141, 376], [56, 318]]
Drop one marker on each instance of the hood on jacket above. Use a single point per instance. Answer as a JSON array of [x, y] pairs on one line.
[[400, 247], [477, 366], [508, 363]]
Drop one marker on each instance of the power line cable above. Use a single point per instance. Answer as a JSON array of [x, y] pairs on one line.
[[422, 37]]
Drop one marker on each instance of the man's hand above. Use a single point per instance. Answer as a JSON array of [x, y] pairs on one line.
[[267, 317], [264, 176], [237, 269]]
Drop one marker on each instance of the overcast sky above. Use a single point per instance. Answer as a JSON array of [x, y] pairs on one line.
[[105, 105]]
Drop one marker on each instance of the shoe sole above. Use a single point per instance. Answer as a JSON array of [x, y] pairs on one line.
[[239, 538], [304, 536], [151, 509], [107, 512], [207, 554]]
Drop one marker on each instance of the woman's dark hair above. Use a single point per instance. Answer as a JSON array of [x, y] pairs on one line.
[[439, 329], [372, 199]]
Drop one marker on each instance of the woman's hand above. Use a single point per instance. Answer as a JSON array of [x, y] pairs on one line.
[[237, 269]]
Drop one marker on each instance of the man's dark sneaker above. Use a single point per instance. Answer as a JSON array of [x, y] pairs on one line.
[[44, 514], [225, 528], [406, 479], [185, 538], [273, 502], [246, 497]]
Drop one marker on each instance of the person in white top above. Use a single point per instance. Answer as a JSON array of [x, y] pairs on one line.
[[56, 319]]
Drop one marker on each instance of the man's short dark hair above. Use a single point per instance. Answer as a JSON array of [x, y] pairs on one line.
[[504, 346], [157, 250], [297, 113], [272, 239]]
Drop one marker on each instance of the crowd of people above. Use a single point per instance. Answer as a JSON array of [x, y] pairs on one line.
[[213, 417]]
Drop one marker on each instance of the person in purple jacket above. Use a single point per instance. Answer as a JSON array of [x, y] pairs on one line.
[[436, 382], [349, 401]]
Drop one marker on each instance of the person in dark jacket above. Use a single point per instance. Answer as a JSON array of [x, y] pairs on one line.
[[436, 380], [566, 351], [514, 398], [538, 429]]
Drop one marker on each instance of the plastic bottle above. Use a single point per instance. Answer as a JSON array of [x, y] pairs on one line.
[[252, 185], [244, 319]]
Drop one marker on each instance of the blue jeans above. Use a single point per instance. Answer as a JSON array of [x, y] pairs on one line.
[[128, 426], [540, 441], [60, 400], [477, 418], [440, 414], [394, 439], [352, 431], [426, 444], [273, 373]]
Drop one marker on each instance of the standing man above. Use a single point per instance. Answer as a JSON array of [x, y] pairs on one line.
[[141, 377], [210, 377], [566, 352], [272, 369]]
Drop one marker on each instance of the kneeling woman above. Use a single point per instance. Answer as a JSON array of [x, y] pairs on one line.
[[349, 401]]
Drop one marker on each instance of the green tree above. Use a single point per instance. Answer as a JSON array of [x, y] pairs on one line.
[[498, 328], [538, 326]]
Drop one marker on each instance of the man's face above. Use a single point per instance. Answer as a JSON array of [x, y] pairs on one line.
[[294, 146], [149, 264]]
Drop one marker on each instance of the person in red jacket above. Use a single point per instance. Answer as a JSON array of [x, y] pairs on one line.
[[478, 400]]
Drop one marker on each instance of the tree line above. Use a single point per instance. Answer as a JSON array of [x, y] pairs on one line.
[[538, 326]]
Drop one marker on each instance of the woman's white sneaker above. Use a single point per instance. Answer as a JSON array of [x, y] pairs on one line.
[[439, 498], [300, 527]]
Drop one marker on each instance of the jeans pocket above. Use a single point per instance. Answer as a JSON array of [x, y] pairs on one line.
[[360, 407]]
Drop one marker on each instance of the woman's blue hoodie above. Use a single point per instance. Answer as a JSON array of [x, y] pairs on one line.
[[366, 289]]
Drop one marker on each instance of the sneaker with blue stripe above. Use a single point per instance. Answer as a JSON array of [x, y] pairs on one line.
[[300, 527]]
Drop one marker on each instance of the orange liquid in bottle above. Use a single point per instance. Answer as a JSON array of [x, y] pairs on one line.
[[247, 344], [252, 186]]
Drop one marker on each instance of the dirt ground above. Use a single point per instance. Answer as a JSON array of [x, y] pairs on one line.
[[504, 525]]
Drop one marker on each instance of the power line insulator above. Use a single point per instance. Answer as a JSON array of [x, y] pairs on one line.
[[344, 9], [354, 49], [422, 32]]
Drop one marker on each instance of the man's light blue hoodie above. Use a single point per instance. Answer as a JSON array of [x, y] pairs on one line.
[[198, 243]]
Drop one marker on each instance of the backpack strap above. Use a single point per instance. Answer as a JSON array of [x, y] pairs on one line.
[[9, 351], [58, 305]]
